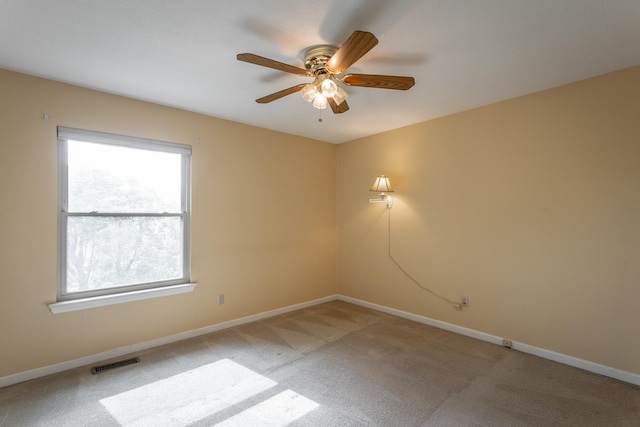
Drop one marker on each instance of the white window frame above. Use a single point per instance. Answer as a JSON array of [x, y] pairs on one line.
[[70, 301]]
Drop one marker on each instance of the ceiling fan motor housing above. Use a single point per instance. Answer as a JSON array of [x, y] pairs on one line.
[[316, 58]]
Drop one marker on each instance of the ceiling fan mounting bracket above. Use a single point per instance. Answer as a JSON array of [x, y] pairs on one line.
[[316, 58]]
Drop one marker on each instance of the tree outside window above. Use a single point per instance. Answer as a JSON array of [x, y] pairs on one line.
[[124, 213]]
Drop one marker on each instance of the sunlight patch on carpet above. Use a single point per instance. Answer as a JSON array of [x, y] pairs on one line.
[[191, 396], [278, 411]]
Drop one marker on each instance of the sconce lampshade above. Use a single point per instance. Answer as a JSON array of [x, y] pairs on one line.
[[382, 185]]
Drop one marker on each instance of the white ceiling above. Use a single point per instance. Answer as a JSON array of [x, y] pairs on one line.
[[462, 53]]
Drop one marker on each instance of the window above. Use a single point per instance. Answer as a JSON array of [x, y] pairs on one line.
[[124, 211]]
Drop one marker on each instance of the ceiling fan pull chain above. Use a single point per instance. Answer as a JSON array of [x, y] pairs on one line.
[[320, 119]]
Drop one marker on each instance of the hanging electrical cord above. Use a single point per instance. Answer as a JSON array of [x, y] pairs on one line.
[[455, 304]]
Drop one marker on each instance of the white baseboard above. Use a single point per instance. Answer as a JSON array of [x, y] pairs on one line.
[[122, 351], [525, 348]]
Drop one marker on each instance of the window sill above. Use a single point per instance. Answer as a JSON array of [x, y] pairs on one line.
[[103, 300]]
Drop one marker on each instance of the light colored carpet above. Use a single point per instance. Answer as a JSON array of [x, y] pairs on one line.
[[334, 364]]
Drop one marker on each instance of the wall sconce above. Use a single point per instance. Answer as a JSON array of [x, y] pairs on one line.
[[383, 186]]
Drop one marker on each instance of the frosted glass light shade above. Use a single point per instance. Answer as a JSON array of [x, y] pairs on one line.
[[309, 92], [340, 95], [329, 88], [320, 102]]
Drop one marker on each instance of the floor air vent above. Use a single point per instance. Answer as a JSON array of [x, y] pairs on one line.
[[114, 365]]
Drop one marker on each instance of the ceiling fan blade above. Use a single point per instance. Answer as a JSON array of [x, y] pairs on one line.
[[382, 82], [358, 43], [270, 63], [338, 108], [280, 94]]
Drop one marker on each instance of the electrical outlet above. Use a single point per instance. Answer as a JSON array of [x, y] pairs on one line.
[[507, 343], [221, 299], [464, 301]]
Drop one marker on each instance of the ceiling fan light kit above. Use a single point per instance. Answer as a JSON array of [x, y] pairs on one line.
[[323, 86], [325, 64]]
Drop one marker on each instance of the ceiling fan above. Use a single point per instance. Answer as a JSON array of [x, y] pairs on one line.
[[326, 64]]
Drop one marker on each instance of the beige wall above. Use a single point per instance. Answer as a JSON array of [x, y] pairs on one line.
[[531, 207], [263, 224]]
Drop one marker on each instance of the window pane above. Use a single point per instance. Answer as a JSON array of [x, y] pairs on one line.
[[104, 252], [110, 178]]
